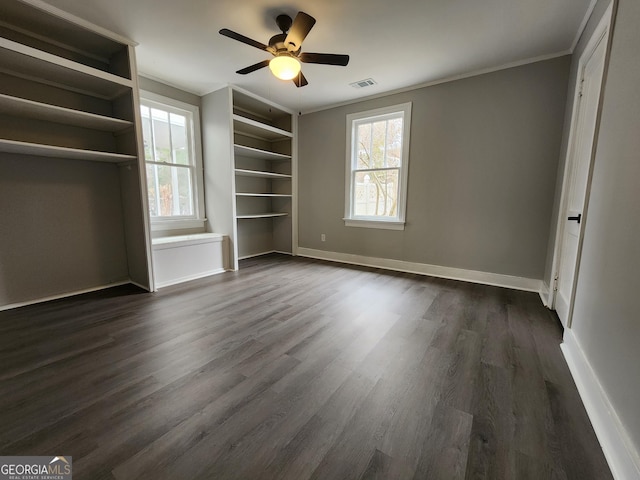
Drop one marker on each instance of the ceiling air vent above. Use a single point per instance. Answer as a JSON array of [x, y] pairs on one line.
[[367, 82]]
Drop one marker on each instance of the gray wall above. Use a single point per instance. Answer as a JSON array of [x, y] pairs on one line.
[[483, 160], [169, 91], [606, 320], [61, 227]]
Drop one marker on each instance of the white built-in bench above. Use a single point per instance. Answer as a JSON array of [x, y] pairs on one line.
[[187, 257]]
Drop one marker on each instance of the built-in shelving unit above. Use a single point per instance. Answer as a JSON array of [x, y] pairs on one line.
[[68, 94], [258, 210]]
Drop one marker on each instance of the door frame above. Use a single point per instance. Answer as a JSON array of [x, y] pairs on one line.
[[602, 32]]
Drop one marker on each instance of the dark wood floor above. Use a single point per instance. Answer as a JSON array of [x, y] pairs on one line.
[[296, 369]]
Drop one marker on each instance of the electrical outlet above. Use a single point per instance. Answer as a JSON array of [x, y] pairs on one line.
[[323, 237]]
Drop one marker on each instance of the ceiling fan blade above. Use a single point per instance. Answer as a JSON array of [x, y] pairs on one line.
[[241, 38], [299, 30], [324, 58], [254, 67], [300, 80]]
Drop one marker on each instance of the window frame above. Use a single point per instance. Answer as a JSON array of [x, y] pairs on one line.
[[198, 219], [372, 221]]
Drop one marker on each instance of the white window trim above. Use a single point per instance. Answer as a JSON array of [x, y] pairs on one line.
[[396, 223], [198, 219]]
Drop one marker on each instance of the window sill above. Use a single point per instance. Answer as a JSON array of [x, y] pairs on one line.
[[162, 243], [380, 224], [167, 225]]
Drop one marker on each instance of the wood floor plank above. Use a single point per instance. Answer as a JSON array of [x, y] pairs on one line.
[[445, 451], [295, 368], [157, 456], [574, 433], [463, 369], [531, 409], [351, 452], [303, 453], [379, 467], [491, 455]]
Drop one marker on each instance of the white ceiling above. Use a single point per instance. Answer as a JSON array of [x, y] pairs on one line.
[[398, 43]]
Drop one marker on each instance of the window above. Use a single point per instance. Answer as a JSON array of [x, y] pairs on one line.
[[377, 166], [171, 134]]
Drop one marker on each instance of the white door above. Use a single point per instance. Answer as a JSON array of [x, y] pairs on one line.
[[577, 170]]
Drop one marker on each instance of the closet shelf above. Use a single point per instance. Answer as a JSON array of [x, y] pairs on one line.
[[26, 148], [262, 215], [243, 151], [251, 128], [42, 111], [257, 173], [27, 62], [282, 195]]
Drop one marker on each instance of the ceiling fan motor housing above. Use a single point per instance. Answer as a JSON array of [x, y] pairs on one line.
[[277, 45]]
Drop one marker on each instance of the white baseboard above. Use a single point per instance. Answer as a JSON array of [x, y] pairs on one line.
[[141, 286], [62, 295], [244, 257], [474, 276], [175, 281], [544, 293], [263, 253], [618, 449]]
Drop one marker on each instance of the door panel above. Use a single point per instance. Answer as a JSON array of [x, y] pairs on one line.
[[578, 181]]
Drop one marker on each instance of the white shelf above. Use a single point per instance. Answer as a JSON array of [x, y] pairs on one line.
[[251, 128], [259, 107], [260, 174], [41, 111], [281, 195], [262, 215], [27, 62], [40, 21], [242, 151], [36, 149]]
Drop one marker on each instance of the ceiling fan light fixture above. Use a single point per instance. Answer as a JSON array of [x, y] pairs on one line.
[[285, 67]]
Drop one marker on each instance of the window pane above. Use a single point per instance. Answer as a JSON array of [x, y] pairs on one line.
[[363, 146], [151, 190], [179, 139], [377, 144], [146, 133], [376, 193], [175, 191], [393, 150], [162, 141]]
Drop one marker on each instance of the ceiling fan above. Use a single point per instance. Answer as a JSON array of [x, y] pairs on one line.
[[286, 49]]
